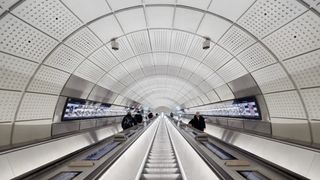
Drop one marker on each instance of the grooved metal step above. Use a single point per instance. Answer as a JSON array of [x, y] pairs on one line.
[[161, 163]]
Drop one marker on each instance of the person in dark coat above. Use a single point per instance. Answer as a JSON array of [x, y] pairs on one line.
[[138, 117], [198, 122], [150, 115], [128, 121]]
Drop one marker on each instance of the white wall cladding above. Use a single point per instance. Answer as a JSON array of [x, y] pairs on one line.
[[285, 104], [64, 58], [124, 52], [139, 42], [193, 17], [180, 42], [9, 101], [217, 58], [224, 92], [272, 78], [84, 41], [48, 80], [299, 36], [160, 40], [15, 72], [256, 57], [37, 106], [260, 19], [311, 98], [132, 20], [304, 69], [51, 17], [89, 71], [22, 40], [159, 17], [232, 70]]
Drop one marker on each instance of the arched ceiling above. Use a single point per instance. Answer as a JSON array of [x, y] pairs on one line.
[[158, 39]]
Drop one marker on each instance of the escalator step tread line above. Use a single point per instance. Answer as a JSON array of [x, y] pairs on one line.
[[161, 162]]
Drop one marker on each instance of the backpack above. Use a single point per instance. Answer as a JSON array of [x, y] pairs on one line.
[[126, 123]]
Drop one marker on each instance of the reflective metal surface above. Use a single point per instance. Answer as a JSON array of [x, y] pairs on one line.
[[244, 86], [77, 87]]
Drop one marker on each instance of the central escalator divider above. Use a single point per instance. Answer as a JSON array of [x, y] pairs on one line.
[[161, 162]]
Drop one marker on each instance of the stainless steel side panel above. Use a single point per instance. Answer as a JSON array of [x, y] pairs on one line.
[[101, 94], [21, 161], [77, 87], [244, 86]]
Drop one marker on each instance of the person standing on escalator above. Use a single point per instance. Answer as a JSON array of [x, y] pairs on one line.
[[128, 121], [198, 122]]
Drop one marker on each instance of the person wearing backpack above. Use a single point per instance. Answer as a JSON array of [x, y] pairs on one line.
[[128, 121], [138, 117]]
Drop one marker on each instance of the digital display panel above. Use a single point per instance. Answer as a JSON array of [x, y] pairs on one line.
[[82, 109], [244, 107]]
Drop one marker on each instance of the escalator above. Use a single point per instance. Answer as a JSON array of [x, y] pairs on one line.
[[161, 163]]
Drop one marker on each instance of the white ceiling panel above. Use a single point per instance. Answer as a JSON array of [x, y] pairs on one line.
[[6, 4], [137, 74], [193, 19], [106, 28], [127, 80], [201, 4], [15, 72], [213, 97], [205, 87], [311, 98], [285, 104], [131, 65], [160, 59], [176, 60], [256, 57], [173, 71], [48, 80], [118, 100], [195, 79], [203, 71], [146, 60], [118, 72], [190, 64], [87, 10], [304, 69], [37, 106], [132, 20], [272, 78], [22, 40], [84, 41], [224, 92], [232, 70], [104, 59], [160, 40], [213, 27], [204, 99], [161, 70], [140, 42], [236, 40], [196, 51], [9, 101], [229, 8], [124, 52], [185, 74], [116, 4], [89, 71], [299, 36], [181, 42], [217, 58], [107, 81], [64, 58], [160, 17], [215, 81], [266, 16], [159, 1], [40, 14]]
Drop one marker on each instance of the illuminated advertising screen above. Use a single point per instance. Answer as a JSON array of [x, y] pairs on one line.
[[82, 109]]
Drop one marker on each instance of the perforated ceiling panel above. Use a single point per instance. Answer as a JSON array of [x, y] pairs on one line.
[[132, 20], [196, 51], [193, 17], [104, 59], [285, 104], [217, 58], [118, 72], [22, 40], [48, 80], [84, 41], [232, 70], [272, 78], [180, 42], [304, 69], [256, 57], [89, 71], [51, 17], [160, 40], [140, 42], [9, 101], [215, 81], [224, 92], [64, 58], [15, 72], [37, 106], [236, 40], [312, 98], [299, 36], [213, 97], [266, 16]]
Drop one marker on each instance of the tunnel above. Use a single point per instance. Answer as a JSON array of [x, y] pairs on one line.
[[71, 70]]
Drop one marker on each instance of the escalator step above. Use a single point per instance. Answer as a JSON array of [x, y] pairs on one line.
[[161, 170], [161, 177]]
